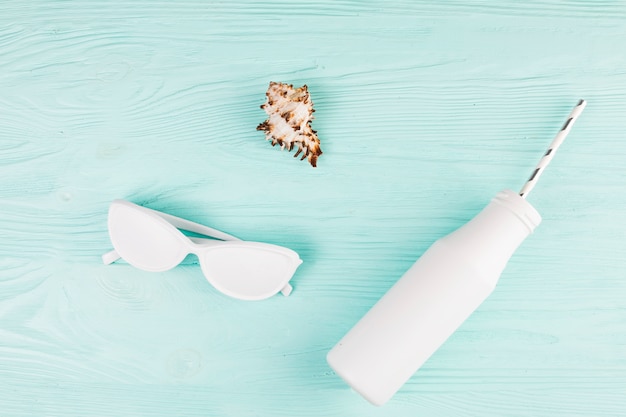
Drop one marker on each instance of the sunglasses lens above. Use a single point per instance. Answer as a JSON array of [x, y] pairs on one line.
[[249, 270], [142, 240]]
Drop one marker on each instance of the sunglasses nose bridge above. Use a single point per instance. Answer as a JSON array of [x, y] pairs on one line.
[[193, 248], [199, 246]]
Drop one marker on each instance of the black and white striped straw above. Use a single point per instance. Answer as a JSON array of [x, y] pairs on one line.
[[556, 142]]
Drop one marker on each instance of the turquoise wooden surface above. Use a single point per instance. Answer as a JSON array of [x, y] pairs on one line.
[[425, 110]]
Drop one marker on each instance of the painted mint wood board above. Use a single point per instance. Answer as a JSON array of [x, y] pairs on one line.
[[424, 109]]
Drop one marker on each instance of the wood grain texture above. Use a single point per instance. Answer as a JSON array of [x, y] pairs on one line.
[[424, 109]]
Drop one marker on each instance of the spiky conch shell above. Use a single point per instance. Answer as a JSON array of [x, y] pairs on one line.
[[290, 112]]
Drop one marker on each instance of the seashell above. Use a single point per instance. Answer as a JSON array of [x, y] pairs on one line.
[[290, 112]]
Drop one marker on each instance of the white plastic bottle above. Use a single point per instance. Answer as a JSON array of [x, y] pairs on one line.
[[432, 299]]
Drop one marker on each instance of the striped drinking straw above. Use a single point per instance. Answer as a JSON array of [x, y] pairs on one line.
[[556, 142]]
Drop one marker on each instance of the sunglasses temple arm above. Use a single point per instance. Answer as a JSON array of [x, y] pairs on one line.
[[110, 257], [195, 227], [286, 290]]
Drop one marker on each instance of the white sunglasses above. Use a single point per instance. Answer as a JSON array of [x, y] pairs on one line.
[[150, 240]]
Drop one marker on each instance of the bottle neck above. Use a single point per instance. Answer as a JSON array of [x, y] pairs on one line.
[[521, 208], [489, 240]]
